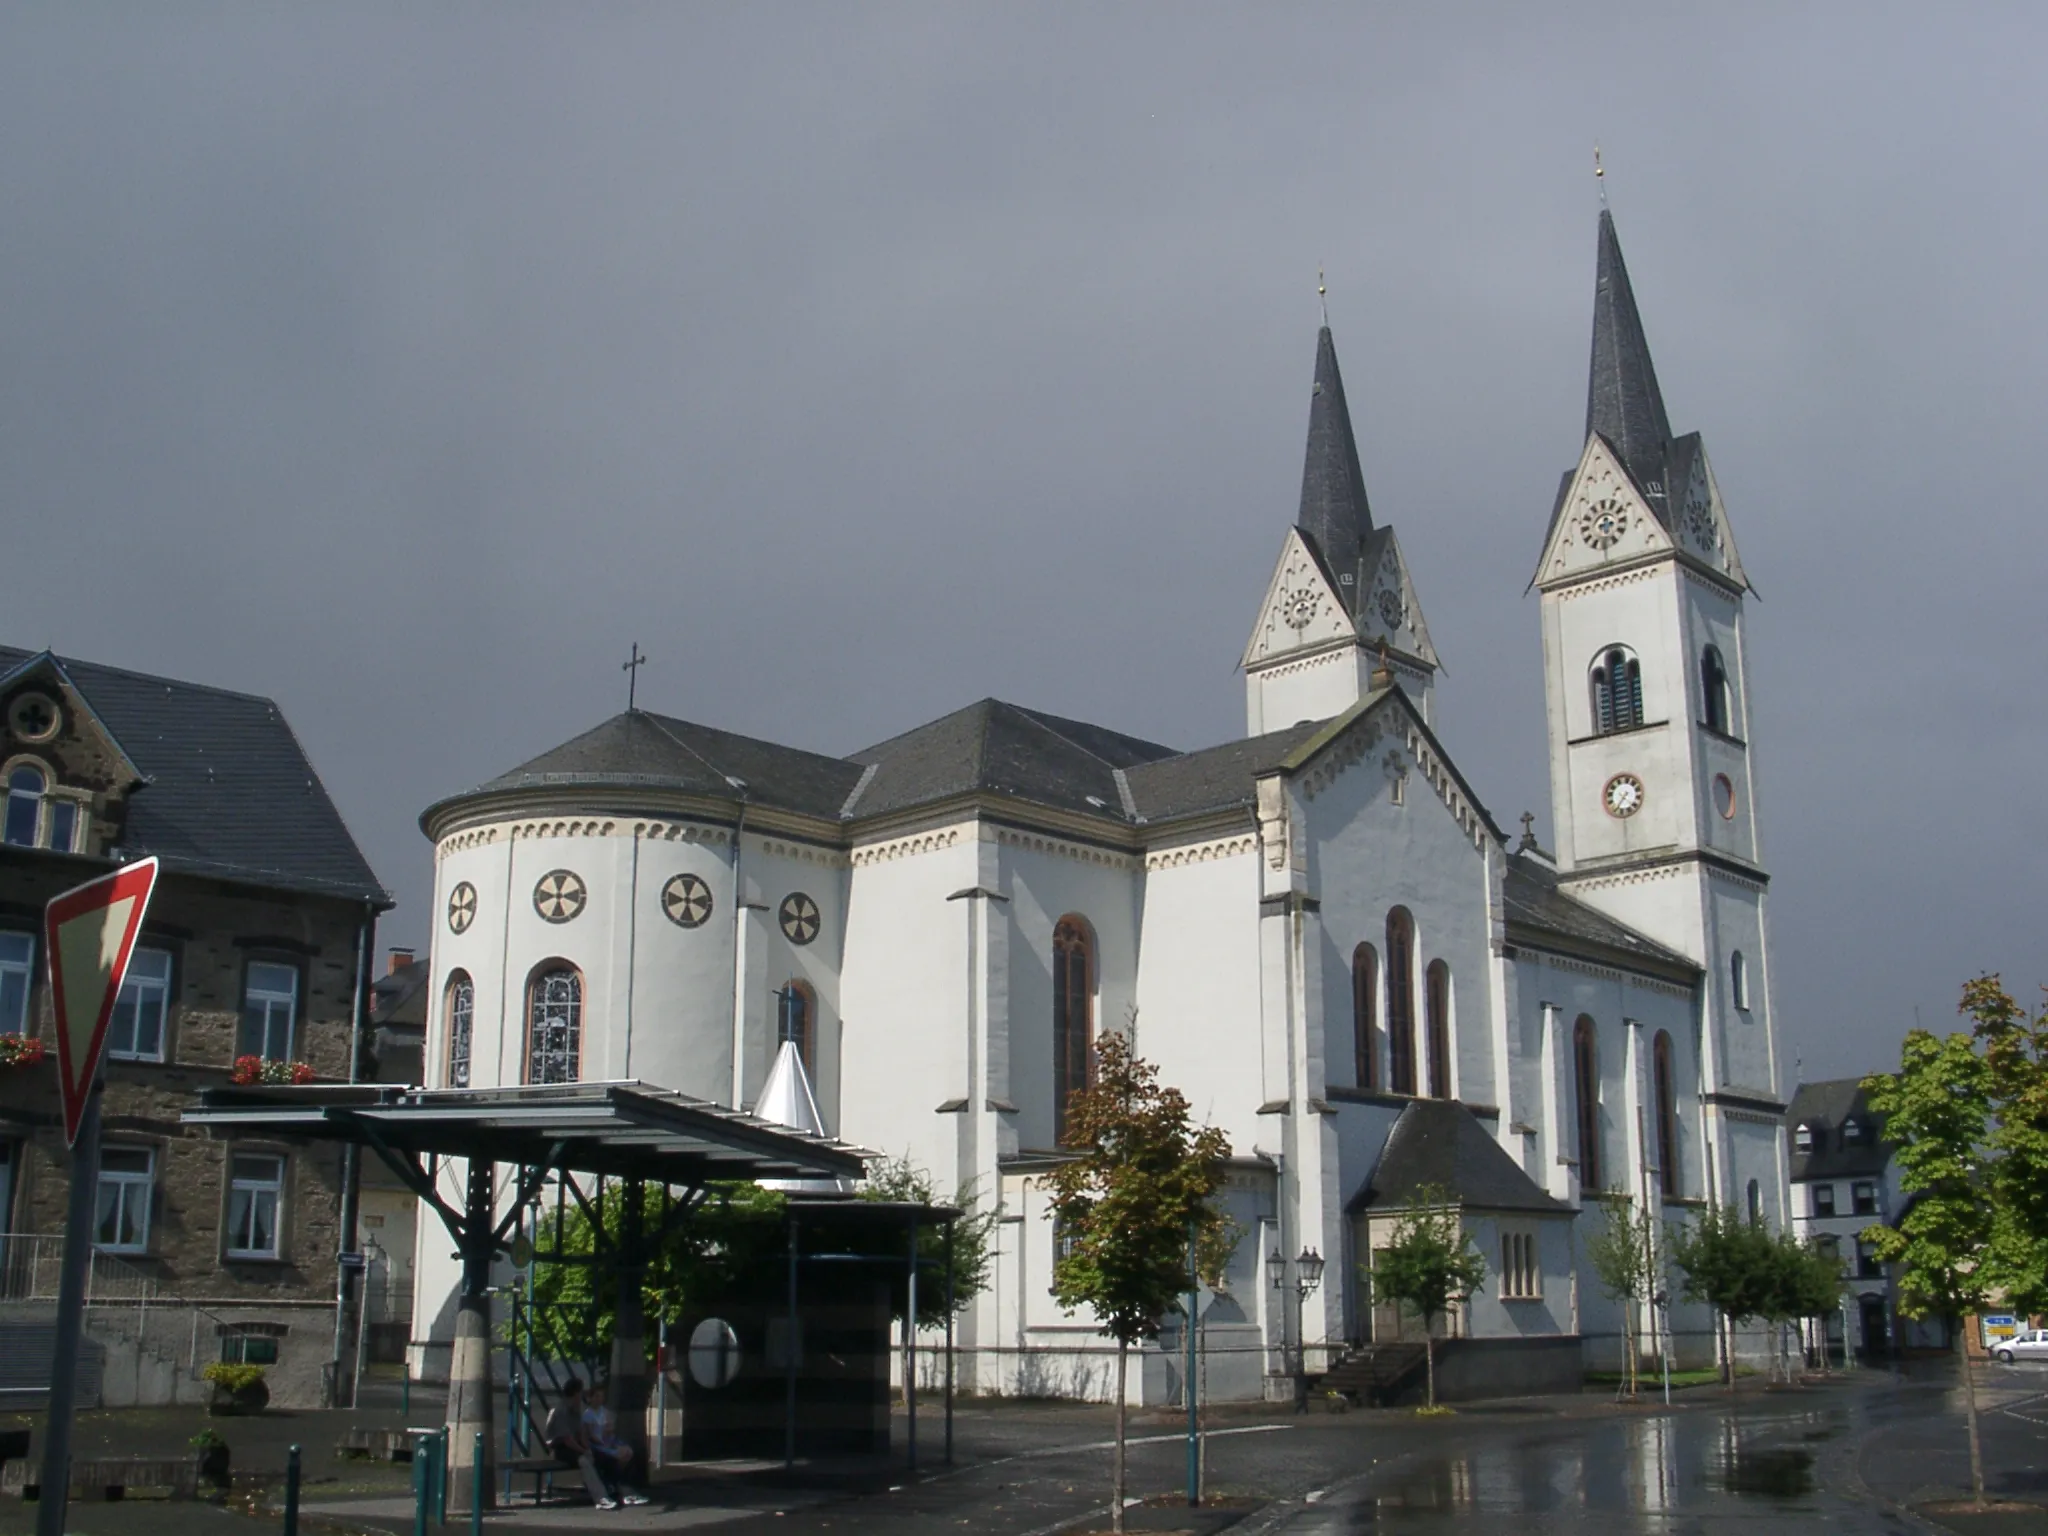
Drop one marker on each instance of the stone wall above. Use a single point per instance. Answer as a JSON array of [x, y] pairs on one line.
[[212, 931]]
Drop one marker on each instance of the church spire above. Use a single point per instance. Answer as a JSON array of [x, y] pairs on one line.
[[1623, 403], [1333, 510]]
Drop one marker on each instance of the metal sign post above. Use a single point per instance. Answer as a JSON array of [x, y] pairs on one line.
[[89, 933]]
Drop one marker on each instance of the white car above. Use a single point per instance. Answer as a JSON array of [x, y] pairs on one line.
[[2028, 1344]]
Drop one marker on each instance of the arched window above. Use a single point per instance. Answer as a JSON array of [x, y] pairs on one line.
[[1756, 1203], [1667, 1115], [1073, 1017], [1365, 1005], [1617, 690], [554, 1024], [1437, 1005], [461, 1027], [796, 1020], [25, 788], [1738, 980], [1400, 1001], [1715, 713], [1586, 1077]]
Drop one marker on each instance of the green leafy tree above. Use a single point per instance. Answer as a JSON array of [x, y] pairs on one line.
[[1729, 1264], [1622, 1254], [1937, 1110], [1428, 1266], [1142, 1178], [971, 1240], [2015, 1050], [1802, 1282]]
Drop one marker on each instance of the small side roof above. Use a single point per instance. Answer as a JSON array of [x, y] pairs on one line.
[[1437, 1144]]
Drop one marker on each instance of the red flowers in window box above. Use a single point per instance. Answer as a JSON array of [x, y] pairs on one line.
[[19, 1051], [251, 1070]]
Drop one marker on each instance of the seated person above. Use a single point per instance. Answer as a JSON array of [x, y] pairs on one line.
[[612, 1455], [563, 1435]]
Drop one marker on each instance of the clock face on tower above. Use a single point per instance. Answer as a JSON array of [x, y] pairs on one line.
[[1299, 606], [1623, 796]]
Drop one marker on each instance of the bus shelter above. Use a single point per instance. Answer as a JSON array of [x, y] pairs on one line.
[[633, 1132]]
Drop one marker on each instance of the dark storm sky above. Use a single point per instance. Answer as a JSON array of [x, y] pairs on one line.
[[859, 361]]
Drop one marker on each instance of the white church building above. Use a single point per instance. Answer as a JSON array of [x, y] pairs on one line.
[[1318, 932]]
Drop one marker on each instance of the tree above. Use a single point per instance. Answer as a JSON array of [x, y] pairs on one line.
[[1937, 1110], [1621, 1256], [2015, 1048], [971, 1238], [1142, 1178], [1801, 1282], [1728, 1263], [1428, 1266]]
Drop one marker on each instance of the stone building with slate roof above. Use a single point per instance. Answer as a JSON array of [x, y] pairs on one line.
[[1318, 931], [256, 943]]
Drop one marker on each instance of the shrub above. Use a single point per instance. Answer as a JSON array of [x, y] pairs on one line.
[[233, 1378]]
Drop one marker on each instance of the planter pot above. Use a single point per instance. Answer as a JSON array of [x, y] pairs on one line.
[[253, 1398], [213, 1466]]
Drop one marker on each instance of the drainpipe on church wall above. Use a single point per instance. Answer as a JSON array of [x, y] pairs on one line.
[[739, 950], [351, 1160]]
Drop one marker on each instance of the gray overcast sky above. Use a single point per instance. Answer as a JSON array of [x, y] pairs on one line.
[[407, 363]]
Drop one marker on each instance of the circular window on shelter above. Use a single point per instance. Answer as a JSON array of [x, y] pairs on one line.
[[714, 1353]]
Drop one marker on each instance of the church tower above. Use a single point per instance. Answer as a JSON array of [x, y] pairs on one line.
[[1340, 595], [1646, 677]]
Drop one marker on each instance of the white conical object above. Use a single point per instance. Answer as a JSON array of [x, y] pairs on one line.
[[786, 1100]]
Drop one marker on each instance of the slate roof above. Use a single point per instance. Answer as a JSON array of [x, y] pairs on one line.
[[1437, 1143], [1623, 402], [1004, 749], [642, 750], [1334, 513], [1216, 777], [228, 791], [1824, 1106], [1535, 903]]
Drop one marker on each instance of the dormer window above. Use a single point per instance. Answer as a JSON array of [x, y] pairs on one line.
[[1852, 1133], [37, 816], [1617, 691], [1805, 1139]]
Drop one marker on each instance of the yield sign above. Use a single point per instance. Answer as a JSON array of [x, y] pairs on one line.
[[91, 931]]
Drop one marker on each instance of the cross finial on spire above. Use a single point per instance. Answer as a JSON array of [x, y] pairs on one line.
[[1323, 295], [1600, 175], [1528, 829], [631, 667]]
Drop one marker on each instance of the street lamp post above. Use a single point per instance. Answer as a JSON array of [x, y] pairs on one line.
[[1308, 1274]]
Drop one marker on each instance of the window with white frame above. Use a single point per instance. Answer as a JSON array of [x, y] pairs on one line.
[[270, 1006], [1521, 1278], [121, 1220], [1864, 1196], [26, 786], [136, 1031], [1823, 1199], [255, 1195], [17, 980]]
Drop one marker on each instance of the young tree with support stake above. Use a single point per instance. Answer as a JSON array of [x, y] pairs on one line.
[[1429, 1266], [1620, 1253], [1141, 1179]]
